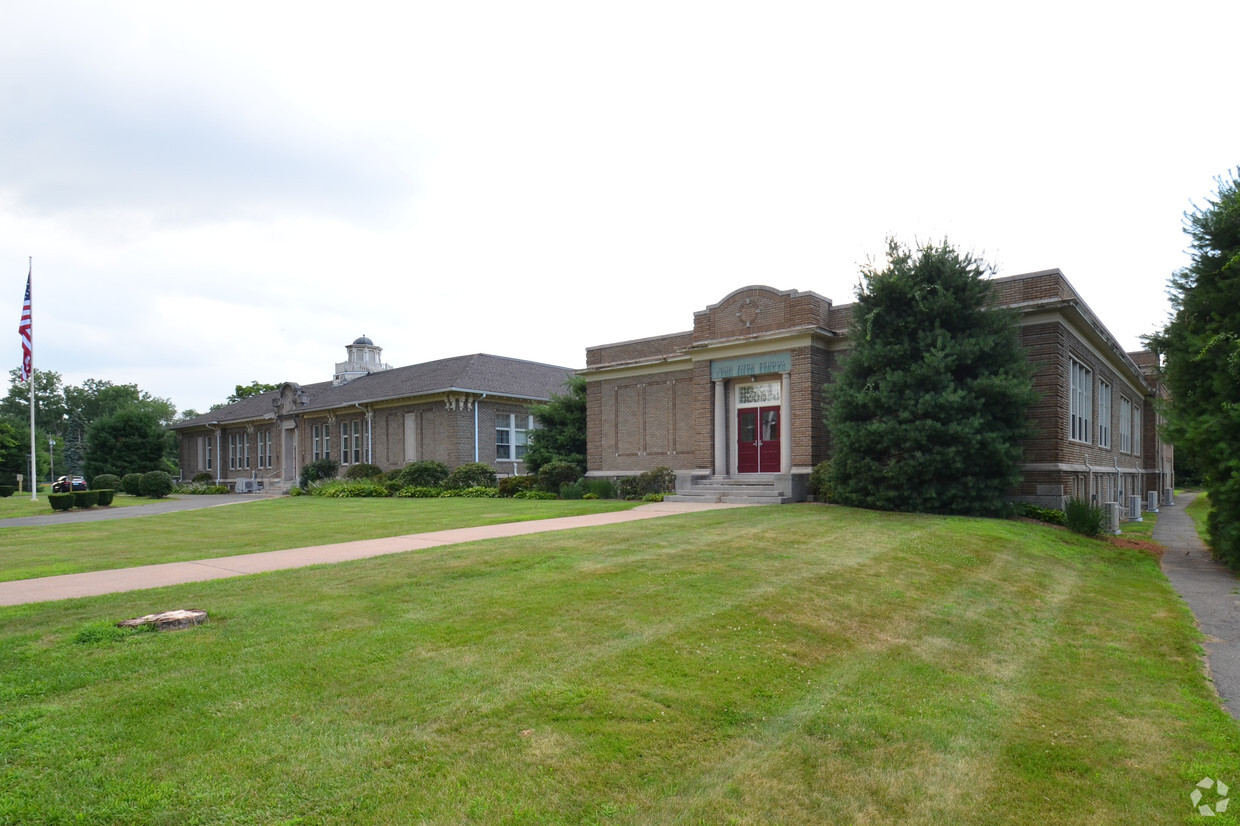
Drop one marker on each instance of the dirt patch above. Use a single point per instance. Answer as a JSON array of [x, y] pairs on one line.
[[1153, 548]]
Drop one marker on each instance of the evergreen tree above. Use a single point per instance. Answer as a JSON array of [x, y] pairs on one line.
[[128, 441], [929, 411], [1201, 344], [561, 432]]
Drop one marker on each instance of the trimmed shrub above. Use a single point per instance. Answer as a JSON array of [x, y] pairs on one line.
[[392, 486], [422, 492], [363, 470], [1050, 515], [659, 480], [105, 496], [653, 497], [820, 481], [106, 480], [589, 496], [156, 484], [202, 478], [131, 483], [534, 494], [85, 499], [6, 491], [475, 492], [350, 488], [555, 475], [424, 474], [1085, 518], [512, 485], [317, 471], [60, 501], [471, 475], [296, 491], [201, 488]]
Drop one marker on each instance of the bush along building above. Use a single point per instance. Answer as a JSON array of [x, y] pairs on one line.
[[736, 404], [472, 408]]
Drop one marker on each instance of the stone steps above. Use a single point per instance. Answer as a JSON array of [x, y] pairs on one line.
[[750, 491]]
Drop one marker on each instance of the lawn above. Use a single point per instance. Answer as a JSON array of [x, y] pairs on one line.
[[799, 664], [253, 527], [19, 504]]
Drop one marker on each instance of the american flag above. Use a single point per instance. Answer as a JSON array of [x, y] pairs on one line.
[[24, 330]]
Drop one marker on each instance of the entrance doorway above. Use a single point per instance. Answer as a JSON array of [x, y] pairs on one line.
[[757, 440]]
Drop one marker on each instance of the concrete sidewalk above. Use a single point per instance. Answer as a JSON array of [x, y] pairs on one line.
[[1212, 593], [71, 586]]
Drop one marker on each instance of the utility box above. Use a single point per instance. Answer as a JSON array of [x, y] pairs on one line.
[[1113, 517], [1134, 508], [1151, 501]]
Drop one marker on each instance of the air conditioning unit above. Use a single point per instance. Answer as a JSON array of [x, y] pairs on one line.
[[246, 485]]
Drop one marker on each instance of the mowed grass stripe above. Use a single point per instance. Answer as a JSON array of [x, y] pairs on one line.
[[794, 665], [254, 527]]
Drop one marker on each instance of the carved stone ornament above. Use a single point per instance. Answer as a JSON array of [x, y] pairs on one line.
[[747, 313]]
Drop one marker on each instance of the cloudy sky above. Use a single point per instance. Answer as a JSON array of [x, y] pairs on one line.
[[218, 193]]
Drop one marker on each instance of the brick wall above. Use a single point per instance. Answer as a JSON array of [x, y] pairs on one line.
[[647, 349], [642, 422]]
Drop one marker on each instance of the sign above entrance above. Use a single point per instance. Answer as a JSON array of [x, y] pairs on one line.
[[751, 366]]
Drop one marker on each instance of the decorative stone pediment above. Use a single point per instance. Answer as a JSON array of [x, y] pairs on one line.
[[291, 399], [759, 309]]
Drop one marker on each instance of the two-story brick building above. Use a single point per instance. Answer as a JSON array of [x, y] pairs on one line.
[[472, 408], [738, 399]]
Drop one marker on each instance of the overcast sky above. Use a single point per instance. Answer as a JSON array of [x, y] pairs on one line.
[[223, 192]]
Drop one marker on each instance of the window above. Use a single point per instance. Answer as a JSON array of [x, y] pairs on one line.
[[351, 442], [264, 449], [512, 435], [1080, 402], [1104, 414], [244, 441], [1136, 429], [321, 441], [1125, 425], [209, 453], [232, 451]]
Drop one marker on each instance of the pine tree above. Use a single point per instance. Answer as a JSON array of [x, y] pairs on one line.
[[561, 432], [1201, 345], [929, 411]]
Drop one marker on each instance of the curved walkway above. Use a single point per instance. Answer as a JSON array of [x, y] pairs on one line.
[[71, 586], [1212, 592]]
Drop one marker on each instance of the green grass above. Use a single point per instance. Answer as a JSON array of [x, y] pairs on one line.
[[1199, 510], [19, 504], [799, 664], [252, 527]]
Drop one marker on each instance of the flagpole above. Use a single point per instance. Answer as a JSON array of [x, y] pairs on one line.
[[34, 475]]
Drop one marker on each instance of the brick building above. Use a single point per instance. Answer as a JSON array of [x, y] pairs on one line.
[[736, 404], [456, 410]]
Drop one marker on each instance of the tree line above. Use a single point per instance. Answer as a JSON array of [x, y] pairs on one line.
[[97, 426]]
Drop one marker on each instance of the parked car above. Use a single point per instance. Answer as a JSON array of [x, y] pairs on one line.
[[61, 485]]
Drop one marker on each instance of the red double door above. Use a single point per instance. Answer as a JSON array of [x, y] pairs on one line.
[[757, 440]]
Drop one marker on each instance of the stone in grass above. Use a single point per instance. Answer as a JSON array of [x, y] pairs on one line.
[[168, 620]]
